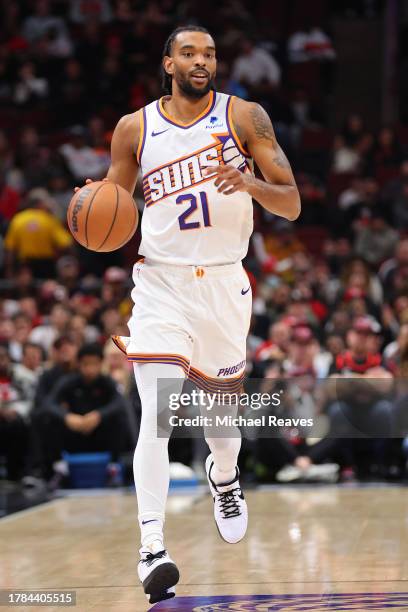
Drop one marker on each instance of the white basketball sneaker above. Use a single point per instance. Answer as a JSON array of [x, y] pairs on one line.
[[230, 508], [157, 572]]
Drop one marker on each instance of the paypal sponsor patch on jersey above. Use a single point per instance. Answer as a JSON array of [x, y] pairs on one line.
[[215, 122]]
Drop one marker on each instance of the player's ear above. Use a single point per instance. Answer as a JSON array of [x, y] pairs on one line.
[[168, 64]]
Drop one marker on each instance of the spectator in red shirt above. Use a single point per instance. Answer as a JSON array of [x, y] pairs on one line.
[[9, 201], [357, 359]]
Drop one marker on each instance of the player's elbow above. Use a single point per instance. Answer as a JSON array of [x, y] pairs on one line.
[[295, 207]]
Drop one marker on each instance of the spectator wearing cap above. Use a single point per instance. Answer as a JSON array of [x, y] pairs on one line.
[[35, 237], [361, 387], [358, 359]]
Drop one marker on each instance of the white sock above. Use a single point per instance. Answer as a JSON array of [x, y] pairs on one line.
[[151, 458], [225, 454], [224, 444], [151, 531]]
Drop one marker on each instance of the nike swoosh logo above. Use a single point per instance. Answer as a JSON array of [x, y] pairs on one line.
[[158, 133], [151, 521], [246, 291]]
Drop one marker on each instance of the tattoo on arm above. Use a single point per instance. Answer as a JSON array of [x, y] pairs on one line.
[[280, 158], [264, 130], [262, 124]]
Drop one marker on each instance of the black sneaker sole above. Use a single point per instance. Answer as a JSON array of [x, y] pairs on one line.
[[161, 579]]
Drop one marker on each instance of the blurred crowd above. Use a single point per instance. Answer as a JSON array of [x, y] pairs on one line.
[[330, 292]]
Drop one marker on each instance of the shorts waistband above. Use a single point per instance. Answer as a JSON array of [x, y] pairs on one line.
[[197, 271]]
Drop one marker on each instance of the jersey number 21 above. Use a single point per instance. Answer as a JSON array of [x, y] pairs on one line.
[[189, 197]]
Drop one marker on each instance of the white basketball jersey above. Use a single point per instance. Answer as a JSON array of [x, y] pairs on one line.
[[185, 220]]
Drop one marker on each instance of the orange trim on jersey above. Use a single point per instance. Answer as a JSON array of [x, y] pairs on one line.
[[200, 116], [141, 136], [234, 133]]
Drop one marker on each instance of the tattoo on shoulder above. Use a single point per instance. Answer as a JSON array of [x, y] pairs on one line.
[[261, 122]]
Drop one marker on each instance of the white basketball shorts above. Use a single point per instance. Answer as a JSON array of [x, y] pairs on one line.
[[196, 317]]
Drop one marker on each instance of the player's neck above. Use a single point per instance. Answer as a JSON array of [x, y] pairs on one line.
[[185, 109]]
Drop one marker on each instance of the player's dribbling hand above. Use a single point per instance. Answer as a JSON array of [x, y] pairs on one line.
[[87, 183], [228, 179]]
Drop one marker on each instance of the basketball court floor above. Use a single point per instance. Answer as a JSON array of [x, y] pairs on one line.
[[314, 548]]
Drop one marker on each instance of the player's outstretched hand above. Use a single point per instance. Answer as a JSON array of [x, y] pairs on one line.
[[228, 179], [87, 183]]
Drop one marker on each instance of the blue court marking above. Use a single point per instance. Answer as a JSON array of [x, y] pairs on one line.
[[286, 603]]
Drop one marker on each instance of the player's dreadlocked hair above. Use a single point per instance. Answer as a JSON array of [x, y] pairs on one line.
[[166, 78]]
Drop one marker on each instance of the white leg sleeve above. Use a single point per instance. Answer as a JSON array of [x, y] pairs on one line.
[[151, 458]]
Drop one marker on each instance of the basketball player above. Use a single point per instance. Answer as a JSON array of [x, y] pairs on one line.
[[192, 299]]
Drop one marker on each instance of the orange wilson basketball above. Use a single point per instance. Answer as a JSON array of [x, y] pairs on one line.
[[102, 216]]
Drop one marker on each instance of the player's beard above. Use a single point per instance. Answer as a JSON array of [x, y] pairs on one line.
[[188, 89]]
